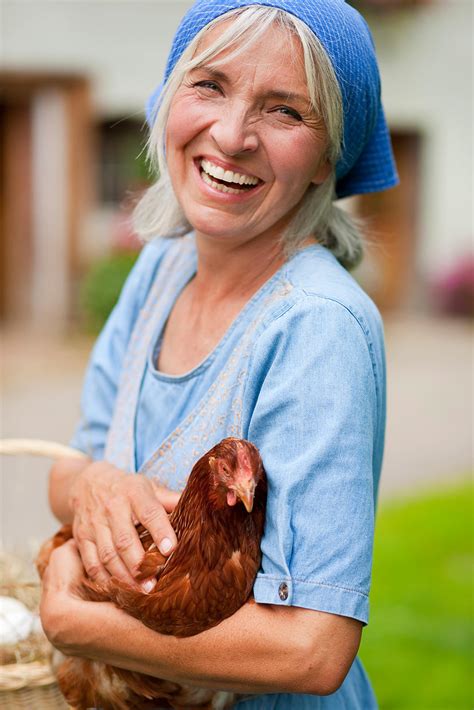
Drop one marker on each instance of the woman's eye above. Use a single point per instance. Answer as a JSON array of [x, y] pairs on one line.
[[206, 84], [290, 112]]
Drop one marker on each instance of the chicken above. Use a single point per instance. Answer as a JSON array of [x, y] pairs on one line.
[[207, 578]]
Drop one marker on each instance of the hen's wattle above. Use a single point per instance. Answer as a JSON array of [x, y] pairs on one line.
[[206, 579]]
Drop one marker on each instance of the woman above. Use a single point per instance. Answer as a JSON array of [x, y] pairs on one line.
[[248, 325]]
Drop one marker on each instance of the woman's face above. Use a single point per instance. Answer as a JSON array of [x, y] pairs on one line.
[[242, 143]]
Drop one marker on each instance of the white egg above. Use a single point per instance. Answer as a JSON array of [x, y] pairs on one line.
[[16, 621]]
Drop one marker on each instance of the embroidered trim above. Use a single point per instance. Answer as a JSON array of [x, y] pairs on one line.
[[217, 415], [120, 440]]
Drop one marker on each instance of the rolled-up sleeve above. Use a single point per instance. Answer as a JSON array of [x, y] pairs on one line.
[[313, 411]]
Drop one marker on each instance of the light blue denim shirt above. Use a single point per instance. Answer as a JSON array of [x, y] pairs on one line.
[[301, 374]]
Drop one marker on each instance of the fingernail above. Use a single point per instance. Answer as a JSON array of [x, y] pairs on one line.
[[148, 586], [165, 545]]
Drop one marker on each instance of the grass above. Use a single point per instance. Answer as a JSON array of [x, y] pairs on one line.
[[418, 646]]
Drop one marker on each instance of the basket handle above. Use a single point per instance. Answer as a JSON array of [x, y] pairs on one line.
[[38, 447]]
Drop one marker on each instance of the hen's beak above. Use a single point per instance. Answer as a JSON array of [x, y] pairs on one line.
[[246, 492]]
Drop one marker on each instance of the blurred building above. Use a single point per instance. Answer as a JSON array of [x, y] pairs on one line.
[[74, 79]]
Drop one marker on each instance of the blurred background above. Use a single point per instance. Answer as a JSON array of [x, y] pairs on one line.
[[75, 76]]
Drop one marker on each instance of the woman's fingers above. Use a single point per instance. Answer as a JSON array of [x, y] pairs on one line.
[[168, 498], [65, 570], [153, 517], [125, 537], [90, 559], [109, 554]]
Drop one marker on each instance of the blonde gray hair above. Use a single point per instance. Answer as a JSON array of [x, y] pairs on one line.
[[158, 211]]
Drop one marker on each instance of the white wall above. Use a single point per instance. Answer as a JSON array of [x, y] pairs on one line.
[[121, 44], [426, 63], [426, 60]]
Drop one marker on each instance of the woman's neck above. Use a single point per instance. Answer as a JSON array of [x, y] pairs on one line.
[[233, 272]]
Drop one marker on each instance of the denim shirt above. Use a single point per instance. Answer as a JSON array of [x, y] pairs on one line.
[[301, 374]]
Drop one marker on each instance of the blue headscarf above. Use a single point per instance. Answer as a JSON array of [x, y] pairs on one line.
[[366, 163]]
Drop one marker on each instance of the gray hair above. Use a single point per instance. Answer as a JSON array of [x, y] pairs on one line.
[[158, 211]]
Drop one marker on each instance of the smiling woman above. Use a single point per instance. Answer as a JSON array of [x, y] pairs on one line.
[[240, 319], [236, 123]]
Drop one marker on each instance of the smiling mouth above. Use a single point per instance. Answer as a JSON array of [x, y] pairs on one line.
[[226, 180]]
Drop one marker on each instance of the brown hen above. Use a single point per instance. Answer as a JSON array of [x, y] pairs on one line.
[[206, 579]]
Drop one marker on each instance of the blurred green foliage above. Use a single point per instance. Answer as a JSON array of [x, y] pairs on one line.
[[101, 288], [418, 646]]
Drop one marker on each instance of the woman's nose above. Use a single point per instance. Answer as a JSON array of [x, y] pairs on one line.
[[234, 132]]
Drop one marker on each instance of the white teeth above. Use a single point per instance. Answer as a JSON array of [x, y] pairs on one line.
[[227, 175], [219, 186]]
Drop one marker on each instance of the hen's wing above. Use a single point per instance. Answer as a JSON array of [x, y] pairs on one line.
[[189, 598]]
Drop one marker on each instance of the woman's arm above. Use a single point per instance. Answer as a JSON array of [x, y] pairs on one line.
[[262, 648], [61, 477]]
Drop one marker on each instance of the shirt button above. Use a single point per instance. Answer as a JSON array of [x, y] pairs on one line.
[[283, 591]]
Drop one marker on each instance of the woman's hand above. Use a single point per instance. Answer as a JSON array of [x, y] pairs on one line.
[[71, 623], [107, 504], [60, 600]]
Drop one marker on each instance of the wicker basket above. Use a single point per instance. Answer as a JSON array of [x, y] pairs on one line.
[[32, 687], [26, 676]]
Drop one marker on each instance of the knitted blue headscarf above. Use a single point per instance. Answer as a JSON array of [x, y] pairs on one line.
[[366, 163]]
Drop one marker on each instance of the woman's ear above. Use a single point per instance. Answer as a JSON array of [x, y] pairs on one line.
[[323, 172]]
